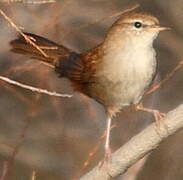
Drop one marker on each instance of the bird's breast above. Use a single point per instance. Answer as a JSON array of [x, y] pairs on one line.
[[121, 79]]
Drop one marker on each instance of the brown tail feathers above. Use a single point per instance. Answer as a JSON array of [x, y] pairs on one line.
[[51, 49]]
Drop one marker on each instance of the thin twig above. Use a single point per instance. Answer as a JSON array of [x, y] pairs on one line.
[[102, 19], [34, 89], [168, 76], [4, 170], [111, 16], [33, 176], [27, 38]]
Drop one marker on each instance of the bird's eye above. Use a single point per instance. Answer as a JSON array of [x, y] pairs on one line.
[[138, 24]]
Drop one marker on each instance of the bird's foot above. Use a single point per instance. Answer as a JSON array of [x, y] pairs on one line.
[[107, 154], [158, 116], [106, 160]]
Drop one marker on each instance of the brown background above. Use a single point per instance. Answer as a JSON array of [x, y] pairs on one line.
[[54, 136]]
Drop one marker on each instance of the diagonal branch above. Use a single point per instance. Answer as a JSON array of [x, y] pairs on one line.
[[139, 146], [167, 77], [34, 89]]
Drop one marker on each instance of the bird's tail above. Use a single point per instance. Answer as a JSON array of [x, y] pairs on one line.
[[49, 52]]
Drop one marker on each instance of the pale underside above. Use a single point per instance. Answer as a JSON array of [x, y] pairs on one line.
[[125, 77]]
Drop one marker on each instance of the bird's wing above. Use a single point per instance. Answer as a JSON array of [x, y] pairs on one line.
[[79, 67]]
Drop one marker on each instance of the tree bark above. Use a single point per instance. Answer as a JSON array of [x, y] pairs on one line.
[[138, 146]]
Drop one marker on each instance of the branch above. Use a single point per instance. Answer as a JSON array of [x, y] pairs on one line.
[[101, 19], [167, 77], [138, 146], [34, 89]]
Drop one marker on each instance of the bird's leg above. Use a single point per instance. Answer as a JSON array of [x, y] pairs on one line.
[[107, 140], [157, 114], [107, 149]]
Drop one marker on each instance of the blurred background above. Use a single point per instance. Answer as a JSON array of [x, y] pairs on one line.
[[52, 138]]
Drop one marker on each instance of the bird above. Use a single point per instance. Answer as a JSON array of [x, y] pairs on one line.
[[116, 73]]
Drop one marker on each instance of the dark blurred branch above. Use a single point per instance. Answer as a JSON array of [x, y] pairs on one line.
[[4, 170], [138, 146], [168, 76]]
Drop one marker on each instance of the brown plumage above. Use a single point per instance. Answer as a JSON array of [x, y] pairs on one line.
[[79, 68]]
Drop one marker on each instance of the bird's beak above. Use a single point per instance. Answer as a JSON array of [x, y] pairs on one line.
[[160, 28]]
